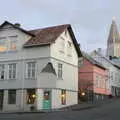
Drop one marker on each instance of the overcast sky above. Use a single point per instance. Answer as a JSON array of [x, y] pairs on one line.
[[90, 19]]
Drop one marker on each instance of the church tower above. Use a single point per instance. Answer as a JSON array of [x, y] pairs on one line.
[[113, 43]]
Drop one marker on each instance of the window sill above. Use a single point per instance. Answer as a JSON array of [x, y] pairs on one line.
[[61, 51], [60, 78], [30, 79], [69, 55], [11, 79], [9, 51]]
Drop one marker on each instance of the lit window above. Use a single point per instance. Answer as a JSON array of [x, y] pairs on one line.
[[13, 43], [59, 70], [12, 71], [2, 72], [3, 46], [31, 96], [11, 96], [31, 70], [63, 97]]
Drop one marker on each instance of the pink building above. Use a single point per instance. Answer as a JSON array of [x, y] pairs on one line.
[[92, 78]]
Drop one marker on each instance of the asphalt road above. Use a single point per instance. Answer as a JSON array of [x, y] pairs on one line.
[[109, 111]]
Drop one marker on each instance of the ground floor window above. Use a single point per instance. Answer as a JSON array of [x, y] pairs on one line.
[[11, 96], [63, 97], [31, 96]]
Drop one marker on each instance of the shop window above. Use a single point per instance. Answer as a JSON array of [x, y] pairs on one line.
[[31, 96], [47, 95], [63, 97]]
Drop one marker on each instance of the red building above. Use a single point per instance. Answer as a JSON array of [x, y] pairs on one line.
[[93, 80]]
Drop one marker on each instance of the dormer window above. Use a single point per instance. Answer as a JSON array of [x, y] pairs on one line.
[[13, 40], [8, 43], [3, 46]]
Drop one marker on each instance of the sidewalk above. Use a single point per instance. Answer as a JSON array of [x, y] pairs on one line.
[[84, 106], [77, 107]]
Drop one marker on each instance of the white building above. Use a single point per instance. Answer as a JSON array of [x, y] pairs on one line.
[[38, 68], [113, 74]]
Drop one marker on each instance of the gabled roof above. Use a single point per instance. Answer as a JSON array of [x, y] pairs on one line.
[[48, 69], [49, 35], [111, 62], [92, 61], [13, 25]]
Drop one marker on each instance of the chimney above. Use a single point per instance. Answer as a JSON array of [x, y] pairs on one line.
[[17, 24], [99, 50]]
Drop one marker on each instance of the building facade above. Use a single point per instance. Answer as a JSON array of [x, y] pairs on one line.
[[38, 68], [113, 74], [93, 79]]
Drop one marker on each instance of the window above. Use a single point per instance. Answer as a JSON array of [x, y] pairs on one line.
[[13, 40], [69, 48], [60, 70], [63, 97], [99, 82], [3, 46], [11, 96], [62, 44], [31, 96], [12, 71], [31, 70], [97, 79], [2, 72], [111, 75]]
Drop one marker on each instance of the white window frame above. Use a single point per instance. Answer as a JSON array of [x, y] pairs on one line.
[[13, 41], [30, 69], [2, 71], [12, 71], [3, 43], [69, 48], [60, 70]]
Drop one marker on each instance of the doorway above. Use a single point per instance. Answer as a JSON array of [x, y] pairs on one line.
[[1, 99]]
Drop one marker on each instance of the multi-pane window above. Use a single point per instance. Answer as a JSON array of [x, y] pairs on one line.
[[69, 48], [13, 43], [8, 43], [31, 70], [11, 96], [3, 46], [63, 97], [2, 72], [97, 81], [12, 71], [60, 72]]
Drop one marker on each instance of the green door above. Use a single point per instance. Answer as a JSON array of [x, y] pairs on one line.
[[47, 100]]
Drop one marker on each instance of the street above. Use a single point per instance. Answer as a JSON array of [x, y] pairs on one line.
[[109, 111]]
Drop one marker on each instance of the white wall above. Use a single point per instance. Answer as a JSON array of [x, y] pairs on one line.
[[60, 54], [70, 63], [39, 93], [71, 98]]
